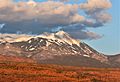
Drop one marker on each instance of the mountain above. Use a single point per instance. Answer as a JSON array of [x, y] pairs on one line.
[[115, 60], [14, 38], [55, 48], [7, 58]]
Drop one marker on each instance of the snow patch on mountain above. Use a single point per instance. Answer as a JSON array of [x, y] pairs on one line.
[[60, 36], [86, 55], [14, 37]]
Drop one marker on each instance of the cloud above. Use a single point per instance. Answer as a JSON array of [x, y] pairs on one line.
[[79, 31], [60, 0], [93, 5], [43, 12], [84, 35], [53, 15], [96, 11]]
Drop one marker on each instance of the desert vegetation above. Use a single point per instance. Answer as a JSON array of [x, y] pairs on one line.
[[11, 71]]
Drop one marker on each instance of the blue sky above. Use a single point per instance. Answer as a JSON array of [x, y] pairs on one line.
[[110, 42]]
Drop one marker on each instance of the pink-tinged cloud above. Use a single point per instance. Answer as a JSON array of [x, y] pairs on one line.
[[38, 17]]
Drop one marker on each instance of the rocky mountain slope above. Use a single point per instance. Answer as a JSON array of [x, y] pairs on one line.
[[54, 48]]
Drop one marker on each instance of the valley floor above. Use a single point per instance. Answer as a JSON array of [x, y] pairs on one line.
[[31, 72]]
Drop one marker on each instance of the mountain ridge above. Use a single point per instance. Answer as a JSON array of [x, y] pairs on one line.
[[49, 47]]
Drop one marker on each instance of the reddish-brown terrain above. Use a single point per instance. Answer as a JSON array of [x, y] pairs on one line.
[[14, 71], [15, 59]]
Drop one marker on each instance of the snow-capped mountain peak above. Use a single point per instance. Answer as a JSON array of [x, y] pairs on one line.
[[61, 36], [61, 33], [46, 46], [67, 38]]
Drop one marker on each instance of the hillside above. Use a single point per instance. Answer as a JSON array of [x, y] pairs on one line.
[[8, 58], [55, 48], [31, 72]]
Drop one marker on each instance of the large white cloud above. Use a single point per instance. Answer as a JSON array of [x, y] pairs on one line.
[[43, 12], [38, 17]]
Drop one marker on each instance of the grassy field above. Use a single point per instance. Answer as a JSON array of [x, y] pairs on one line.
[[31, 72]]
